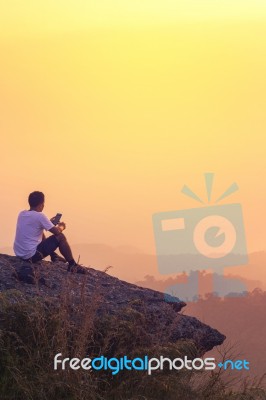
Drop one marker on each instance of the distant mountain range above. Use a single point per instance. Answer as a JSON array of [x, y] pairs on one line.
[[132, 265]]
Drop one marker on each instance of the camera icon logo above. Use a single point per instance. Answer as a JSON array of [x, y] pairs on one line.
[[200, 238], [197, 239]]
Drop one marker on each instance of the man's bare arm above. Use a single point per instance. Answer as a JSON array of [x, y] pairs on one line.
[[56, 230]]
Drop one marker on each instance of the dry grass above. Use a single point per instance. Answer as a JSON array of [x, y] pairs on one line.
[[34, 330]]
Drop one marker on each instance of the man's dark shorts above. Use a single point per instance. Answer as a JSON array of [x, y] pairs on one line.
[[45, 248]]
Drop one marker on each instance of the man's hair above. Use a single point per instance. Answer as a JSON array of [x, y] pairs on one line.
[[36, 198]]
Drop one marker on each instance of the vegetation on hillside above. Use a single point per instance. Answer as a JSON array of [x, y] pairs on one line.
[[34, 330]]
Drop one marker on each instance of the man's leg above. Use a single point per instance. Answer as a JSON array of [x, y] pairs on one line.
[[48, 246], [55, 257], [64, 248]]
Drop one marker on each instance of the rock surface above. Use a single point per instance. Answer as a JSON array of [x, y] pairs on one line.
[[51, 281]]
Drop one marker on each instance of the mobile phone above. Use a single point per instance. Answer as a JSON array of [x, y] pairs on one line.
[[57, 218]]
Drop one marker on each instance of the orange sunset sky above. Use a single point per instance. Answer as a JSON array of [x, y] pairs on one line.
[[110, 107]]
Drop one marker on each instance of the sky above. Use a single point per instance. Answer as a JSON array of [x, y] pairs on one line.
[[29, 16], [110, 107]]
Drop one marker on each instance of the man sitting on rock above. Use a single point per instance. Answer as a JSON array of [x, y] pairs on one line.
[[30, 242]]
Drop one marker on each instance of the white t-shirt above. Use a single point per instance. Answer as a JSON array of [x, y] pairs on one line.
[[30, 226]]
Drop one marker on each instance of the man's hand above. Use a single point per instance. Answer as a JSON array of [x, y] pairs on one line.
[[61, 226], [56, 230]]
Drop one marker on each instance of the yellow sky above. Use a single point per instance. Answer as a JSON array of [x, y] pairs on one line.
[[110, 107], [57, 15]]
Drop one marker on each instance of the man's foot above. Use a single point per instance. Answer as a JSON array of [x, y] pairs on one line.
[[79, 269], [55, 257]]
